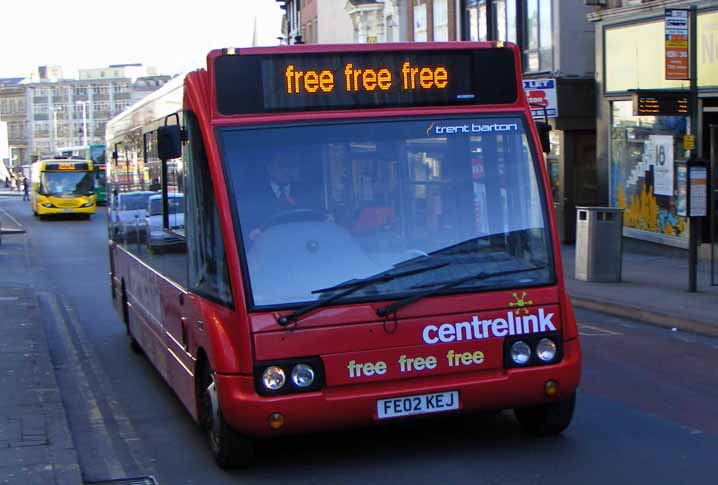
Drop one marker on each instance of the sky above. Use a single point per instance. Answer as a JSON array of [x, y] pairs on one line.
[[172, 35]]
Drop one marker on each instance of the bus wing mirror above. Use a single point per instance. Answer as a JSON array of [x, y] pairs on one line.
[[169, 142], [544, 129]]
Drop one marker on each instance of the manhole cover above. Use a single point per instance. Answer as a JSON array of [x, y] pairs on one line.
[[126, 481]]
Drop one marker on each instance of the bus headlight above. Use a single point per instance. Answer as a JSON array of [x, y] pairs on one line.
[[47, 205], [546, 349], [273, 378], [89, 203], [302, 375], [520, 352]]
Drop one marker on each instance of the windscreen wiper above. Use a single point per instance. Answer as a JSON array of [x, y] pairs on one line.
[[350, 287], [392, 308]]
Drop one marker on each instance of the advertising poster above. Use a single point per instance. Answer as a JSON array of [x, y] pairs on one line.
[[676, 31], [698, 176], [682, 189], [662, 148], [541, 95]]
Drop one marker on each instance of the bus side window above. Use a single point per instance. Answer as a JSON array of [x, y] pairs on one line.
[[208, 272], [165, 246]]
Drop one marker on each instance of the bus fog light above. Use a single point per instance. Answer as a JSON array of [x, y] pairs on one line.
[[520, 352], [276, 420], [546, 349], [302, 375], [273, 378]]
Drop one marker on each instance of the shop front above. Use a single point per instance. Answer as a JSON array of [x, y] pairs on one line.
[[643, 119]]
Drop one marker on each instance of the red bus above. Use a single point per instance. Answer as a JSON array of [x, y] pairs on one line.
[[364, 234]]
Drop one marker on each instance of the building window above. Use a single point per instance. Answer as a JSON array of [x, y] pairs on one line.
[[420, 27], [441, 20], [476, 14], [537, 54], [503, 20]]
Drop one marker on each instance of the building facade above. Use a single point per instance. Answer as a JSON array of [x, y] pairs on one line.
[[46, 115], [344, 21], [637, 155], [13, 111]]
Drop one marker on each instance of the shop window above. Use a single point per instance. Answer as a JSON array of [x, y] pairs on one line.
[[643, 154]]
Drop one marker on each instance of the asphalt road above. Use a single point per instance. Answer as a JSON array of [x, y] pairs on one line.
[[647, 410]]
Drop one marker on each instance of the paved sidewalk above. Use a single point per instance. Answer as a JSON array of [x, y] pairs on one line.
[[36, 446], [654, 289]]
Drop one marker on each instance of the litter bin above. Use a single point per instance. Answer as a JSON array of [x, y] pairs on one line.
[[599, 232]]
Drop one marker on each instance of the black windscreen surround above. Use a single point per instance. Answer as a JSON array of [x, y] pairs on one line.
[[249, 84]]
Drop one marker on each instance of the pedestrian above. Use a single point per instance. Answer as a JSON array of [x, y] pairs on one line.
[[25, 189]]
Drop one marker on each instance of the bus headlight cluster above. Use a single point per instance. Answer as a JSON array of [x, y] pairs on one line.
[[532, 350], [47, 204], [273, 378], [546, 349], [89, 203], [289, 376], [520, 352], [302, 375]]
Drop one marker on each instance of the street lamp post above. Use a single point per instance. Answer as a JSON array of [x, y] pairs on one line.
[[84, 121]]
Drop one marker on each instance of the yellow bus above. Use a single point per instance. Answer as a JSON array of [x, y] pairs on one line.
[[62, 185]]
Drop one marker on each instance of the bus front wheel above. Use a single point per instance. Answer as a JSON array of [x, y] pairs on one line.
[[547, 419], [229, 449]]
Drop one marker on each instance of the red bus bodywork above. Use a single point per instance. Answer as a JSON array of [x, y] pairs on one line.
[[178, 330]]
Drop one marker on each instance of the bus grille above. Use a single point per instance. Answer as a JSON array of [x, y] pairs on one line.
[[65, 203]]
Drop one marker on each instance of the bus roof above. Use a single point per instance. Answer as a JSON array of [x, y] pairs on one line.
[[158, 104]]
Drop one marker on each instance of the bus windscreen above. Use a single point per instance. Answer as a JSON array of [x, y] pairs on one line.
[[248, 84]]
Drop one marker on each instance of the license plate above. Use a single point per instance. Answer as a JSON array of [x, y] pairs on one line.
[[66, 210], [419, 404]]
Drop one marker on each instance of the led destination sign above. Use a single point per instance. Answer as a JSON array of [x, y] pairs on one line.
[[66, 166], [656, 103], [359, 80]]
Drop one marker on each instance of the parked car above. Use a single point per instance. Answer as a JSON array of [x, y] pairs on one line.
[[159, 238], [129, 215]]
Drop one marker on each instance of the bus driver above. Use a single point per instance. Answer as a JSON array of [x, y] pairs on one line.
[[280, 195]]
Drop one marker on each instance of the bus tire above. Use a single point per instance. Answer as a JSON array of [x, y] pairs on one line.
[[229, 448], [547, 419]]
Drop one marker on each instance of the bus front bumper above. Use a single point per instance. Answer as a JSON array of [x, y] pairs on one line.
[[356, 405]]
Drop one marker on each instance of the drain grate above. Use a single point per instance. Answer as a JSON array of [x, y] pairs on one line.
[[127, 481]]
